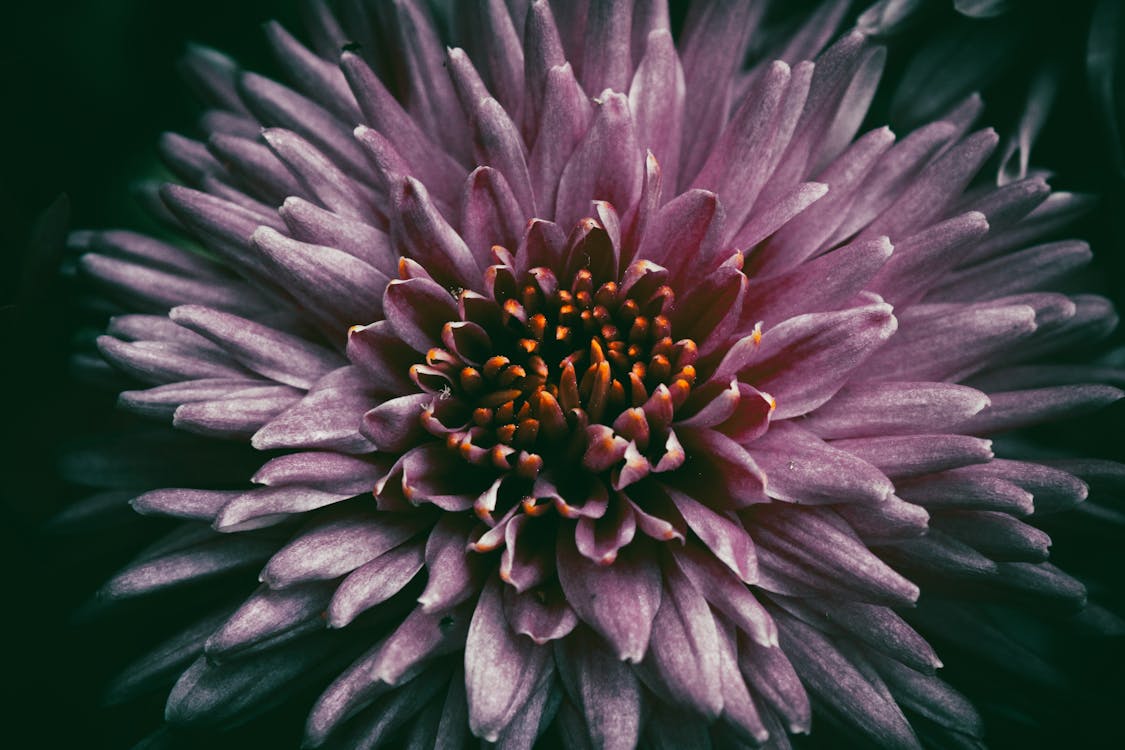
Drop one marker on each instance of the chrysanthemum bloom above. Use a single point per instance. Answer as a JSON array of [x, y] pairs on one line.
[[606, 388]]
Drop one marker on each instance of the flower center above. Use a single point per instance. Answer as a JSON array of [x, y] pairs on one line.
[[548, 370]]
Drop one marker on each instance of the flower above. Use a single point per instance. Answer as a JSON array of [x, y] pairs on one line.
[[672, 392]]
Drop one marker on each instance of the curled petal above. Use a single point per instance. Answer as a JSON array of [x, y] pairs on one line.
[[541, 614]]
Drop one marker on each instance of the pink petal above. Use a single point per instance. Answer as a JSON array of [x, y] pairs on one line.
[[501, 668], [619, 601], [605, 690]]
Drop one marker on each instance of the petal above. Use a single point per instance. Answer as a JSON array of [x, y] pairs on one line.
[[164, 663], [395, 426], [803, 469], [419, 638], [280, 356], [269, 617], [606, 165], [194, 563], [656, 98], [387, 716], [338, 289], [967, 488], [453, 574], [504, 55], [996, 535], [239, 416], [1035, 268], [277, 105], [831, 676], [489, 215], [619, 601], [525, 562], [890, 408], [739, 164], [566, 114], [322, 470], [158, 290], [431, 473], [724, 537], [825, 283], [805, 360], [921, 349], [599, 540], [684, 650], [309, 223], [922, 260], [327, 418], [383, 356], [727, 594], [606, 61], [535, 716], [891, 520], [738, 706], [911, 455], [319, 175], [374, 583], [207, 693], [739, 480], [255, 165], [937, 554], [685, 231], [419, 232], [929, 696], [934, 189], [497, 143], [196, 505], [315, 76], [383, 112], [768, 670], [268, 506], [501, 668], [712, 46], [877, 626], [844, 176], [163, 362], [416, 311], [1012, 410], [779, 213], [332, 548], [605, 690], [808, 536], [541, 614]]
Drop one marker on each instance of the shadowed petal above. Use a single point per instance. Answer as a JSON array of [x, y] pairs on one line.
[[604, 689], [848, 690]]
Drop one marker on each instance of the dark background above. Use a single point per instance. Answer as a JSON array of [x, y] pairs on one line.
[[87, 87]]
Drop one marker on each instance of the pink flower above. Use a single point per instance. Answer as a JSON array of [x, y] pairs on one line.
[[670, 389]]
